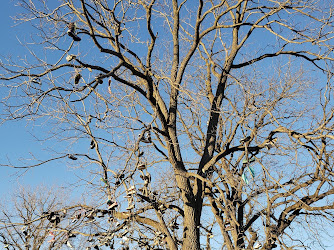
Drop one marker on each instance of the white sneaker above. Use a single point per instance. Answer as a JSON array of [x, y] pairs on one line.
[[70, 57], [69, 244], [257, 245]]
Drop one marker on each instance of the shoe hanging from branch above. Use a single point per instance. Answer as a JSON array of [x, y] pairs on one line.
[[72, 32]]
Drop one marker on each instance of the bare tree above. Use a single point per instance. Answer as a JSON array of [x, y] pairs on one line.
[[29, 216], [213, 118]]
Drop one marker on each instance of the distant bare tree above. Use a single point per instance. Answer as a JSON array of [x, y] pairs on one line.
[[27, 219], [198, 123]]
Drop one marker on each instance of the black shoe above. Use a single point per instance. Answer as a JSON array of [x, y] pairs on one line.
[[73, 35]]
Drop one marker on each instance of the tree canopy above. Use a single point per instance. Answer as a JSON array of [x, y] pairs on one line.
[[196, 124]]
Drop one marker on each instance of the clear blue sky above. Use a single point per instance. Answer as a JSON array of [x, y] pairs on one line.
[[16, 138]]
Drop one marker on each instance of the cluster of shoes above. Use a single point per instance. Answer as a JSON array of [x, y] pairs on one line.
[[77, 215], [26, 234], [99, 213], [151, 197], [257, 245], [119, 178], [146, 137], [144, 192], [92, 213], [125, 239], [25, 231], [72, 32], [130, 192], [106, 240], [112, 205], [77, 78], [53, 217], [129, 195], [146, 178], [98, 79], [273, 244]]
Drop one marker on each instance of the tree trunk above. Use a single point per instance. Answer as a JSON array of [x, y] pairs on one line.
[[191, 229]]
